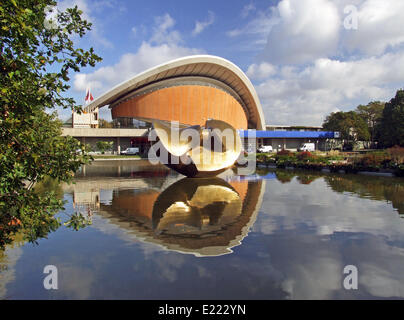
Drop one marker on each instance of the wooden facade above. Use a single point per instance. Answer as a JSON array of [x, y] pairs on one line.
[[187, 104]]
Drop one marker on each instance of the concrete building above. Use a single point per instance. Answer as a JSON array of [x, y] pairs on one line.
[[83, 120], [291, 140], [189, 90], [121, 138]]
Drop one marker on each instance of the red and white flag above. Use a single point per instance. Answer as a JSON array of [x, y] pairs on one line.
[[89, 96]]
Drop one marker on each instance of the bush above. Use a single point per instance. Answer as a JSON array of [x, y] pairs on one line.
[[333, 158], [284, 152], [264, 158], [397, 154], [305, 155], [399, 171], [333, 153], [103, 146], [373, 161]]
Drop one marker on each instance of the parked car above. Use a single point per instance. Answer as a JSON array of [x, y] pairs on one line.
[[132, 151], [265, 149], [307, 147]]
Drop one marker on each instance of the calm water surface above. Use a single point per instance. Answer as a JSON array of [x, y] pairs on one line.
[[273, 235]]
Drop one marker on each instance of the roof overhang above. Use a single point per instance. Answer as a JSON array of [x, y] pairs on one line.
[[208, 66]]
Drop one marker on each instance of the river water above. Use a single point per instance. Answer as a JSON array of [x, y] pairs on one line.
[[276, 234]]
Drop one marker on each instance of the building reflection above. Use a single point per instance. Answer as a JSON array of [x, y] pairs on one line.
[[196, 206], [204, 217]]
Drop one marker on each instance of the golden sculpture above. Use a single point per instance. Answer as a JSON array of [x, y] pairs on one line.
[[198, 151]]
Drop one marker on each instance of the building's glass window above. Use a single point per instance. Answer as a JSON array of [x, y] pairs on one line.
[[126, 122]]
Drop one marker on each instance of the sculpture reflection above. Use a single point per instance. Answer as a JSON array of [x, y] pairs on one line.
[[196, 206], [204, 217]]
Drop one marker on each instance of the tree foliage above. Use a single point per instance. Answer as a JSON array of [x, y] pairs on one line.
[[392, 121], [384, 122], [372, 114], [35, 62], [105, 124], [350, 124], [104, 146]]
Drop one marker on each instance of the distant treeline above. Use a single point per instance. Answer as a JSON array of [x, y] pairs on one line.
[[382, 123]]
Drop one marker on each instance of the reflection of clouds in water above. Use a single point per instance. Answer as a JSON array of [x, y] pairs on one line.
[[315, 282], [380, 268], [203, 272], [105, 226], [310, 275], [329, 239], [169, 266], [297, 249], [163, 269], [320, 208], [7, 271], [122, 232], [381, 282], [106, 196], [307, 264], [76, 281]]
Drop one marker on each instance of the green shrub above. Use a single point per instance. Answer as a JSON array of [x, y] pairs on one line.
[[103, 146]]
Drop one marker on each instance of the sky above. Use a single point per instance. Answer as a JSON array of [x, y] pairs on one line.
[[306, 58]]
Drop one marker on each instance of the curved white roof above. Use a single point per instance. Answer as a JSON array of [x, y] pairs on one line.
[[195, 66]]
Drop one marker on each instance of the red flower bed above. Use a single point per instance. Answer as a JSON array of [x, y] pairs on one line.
[[284, 152], [304, 155]]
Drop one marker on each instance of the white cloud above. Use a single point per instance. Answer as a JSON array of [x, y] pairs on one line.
[[305, 95], [162, 32], [202, 25], [247, 9], [129, 65], [306, 29], [163, 46], [311, 66], [286, 30], [380, 26], [261, 71], [139, 31], [299, 31], [96, 29], [255, 32]]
